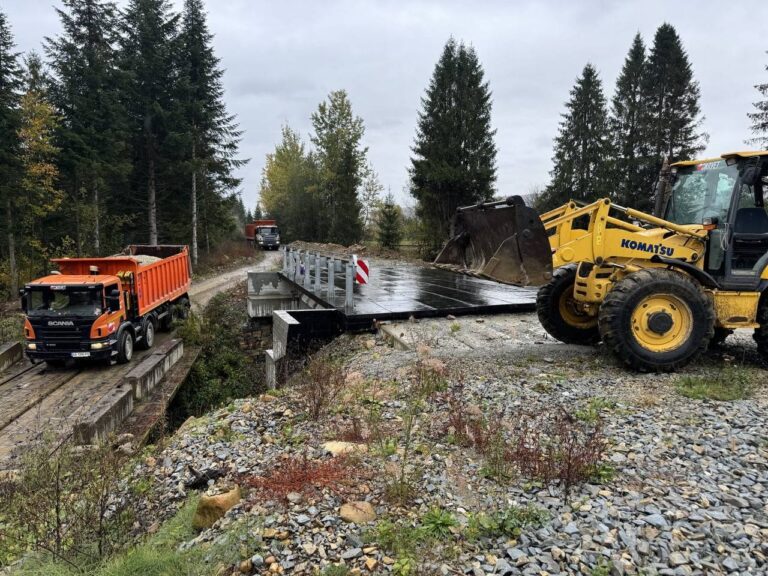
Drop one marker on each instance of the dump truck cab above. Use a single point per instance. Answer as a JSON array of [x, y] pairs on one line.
[[268, 237], [73, 317], [728, 196]]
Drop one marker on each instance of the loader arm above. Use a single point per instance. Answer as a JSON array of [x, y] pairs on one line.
[[609, 237]]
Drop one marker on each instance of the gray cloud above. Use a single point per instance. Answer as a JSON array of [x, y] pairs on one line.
[[283, 58]]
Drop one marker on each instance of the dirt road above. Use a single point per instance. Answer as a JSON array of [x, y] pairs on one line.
[[202, 292]]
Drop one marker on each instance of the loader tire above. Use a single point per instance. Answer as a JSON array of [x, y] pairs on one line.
[[719, 337], [558, 314], [656, 320], [761, 333]]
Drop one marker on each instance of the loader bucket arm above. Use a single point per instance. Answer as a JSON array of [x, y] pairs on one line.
[[504, 241]]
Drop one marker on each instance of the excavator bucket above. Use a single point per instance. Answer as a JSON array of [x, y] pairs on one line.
[[504, 241]]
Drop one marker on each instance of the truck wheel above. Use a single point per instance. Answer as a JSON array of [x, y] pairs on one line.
[[148, 336], [656, 320], [124, 347], [558, 313], [761, 333], [183, 308], [719, 337]]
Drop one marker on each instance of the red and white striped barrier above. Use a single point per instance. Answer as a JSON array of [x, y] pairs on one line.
[[361, 270]]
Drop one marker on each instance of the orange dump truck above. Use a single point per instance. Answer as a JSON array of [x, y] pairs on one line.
[[263, 234], [102, 308]]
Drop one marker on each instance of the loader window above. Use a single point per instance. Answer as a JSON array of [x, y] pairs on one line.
[[702, 191]]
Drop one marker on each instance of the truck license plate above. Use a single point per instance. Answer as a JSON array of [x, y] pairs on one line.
[[80, 354]]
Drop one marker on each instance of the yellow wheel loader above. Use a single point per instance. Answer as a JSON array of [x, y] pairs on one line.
[[656, 290]]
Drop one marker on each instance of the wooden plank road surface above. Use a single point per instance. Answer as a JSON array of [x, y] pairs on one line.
[[37, 400]]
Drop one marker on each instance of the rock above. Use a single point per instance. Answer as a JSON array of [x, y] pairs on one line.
[[127, 449], [370, 564], [211, 508], [245, 566], [677, 559], [656, 520], [303, 519], [730, 564], [369, 344], [357, 512], [557, 553], [257, 560], [338, 448], [294, 497], [309, 548], [352, 553]]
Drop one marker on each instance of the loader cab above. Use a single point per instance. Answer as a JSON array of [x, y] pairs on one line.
[[727, 194]]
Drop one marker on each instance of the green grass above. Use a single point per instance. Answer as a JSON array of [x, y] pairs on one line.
[[728, 384], [158, 555], [591, 412], [437, 523]]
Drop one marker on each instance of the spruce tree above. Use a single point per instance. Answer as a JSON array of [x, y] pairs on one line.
[[390, 223], [671, 101], [582, 156], [211, 135], [86, 94], [633, 168], [10, 122], [454, 154], [147, 60], [759, 118], [341, 159]]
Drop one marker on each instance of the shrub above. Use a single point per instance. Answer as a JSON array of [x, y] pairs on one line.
[[299, 474], [64, 504], [222, 371], [323, 382]]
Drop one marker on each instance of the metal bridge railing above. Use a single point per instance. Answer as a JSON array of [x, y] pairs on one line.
[[305, 267]]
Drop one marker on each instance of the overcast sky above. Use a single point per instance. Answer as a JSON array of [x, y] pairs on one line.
[[283, 57]]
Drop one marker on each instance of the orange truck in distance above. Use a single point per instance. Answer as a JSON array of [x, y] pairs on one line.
[[103, 308], [263, 234]]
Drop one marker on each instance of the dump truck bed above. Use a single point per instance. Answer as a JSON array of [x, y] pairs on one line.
[[154, 274]]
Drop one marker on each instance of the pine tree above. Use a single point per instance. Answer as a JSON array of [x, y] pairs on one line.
[[212, 136], [633, 168], [390, 223], [147, 59], [86, 94], [582, 156], [759, 118], [454, 155], [258, 214], [341, 159], [10, 122], [671, 101]]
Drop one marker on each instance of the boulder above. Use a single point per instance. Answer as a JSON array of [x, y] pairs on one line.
[[338, 448], [357, 512], [211, 508]]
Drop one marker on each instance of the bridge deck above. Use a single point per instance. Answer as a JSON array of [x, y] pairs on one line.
[[400, 290]]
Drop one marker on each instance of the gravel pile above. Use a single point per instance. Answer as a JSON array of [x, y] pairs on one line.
[[689, 493]]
